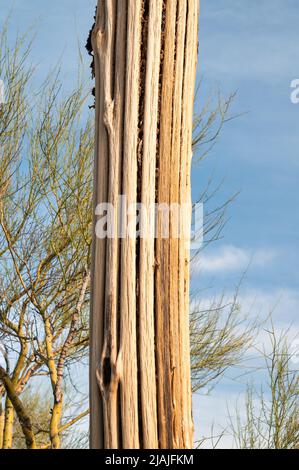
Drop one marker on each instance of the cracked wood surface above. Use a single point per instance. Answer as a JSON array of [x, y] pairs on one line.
[[145, 56]]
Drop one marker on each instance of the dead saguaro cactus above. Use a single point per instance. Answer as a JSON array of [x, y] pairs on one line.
[[145, 55]]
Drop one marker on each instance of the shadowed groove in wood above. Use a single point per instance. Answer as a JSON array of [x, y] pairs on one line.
[[148, 396], [162, 292]]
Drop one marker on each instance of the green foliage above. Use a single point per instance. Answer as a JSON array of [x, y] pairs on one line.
[[272, 412], [220, 335]]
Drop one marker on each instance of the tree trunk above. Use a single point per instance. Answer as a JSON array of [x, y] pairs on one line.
[[2, 418], [8, 424], [145, 55]]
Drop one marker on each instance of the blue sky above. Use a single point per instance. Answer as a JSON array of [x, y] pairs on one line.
[[249, 47]]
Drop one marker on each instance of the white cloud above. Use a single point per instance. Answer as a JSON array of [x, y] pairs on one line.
[[232, 258], [281, 304], [211, 417]]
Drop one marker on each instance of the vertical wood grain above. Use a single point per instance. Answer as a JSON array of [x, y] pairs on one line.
[[145, 66], [147, 242]]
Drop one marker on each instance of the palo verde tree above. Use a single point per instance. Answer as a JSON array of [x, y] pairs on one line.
[[145, 55], [271, 413], [45, 246]]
